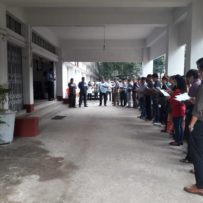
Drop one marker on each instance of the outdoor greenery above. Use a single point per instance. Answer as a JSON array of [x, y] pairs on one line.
[[159, 65], [119, 70], [3, 98]]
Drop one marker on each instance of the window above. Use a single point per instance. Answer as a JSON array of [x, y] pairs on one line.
[[42, 43], [13, 24]]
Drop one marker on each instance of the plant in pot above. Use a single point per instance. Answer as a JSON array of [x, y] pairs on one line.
[[7, 117]]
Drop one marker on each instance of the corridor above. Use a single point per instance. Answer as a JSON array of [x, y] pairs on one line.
[[94, 155]]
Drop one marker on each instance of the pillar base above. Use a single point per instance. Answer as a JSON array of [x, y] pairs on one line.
[[27, 127], [29, 108]]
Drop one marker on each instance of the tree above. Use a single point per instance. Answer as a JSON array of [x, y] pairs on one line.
[[159, 65], [121, 70]]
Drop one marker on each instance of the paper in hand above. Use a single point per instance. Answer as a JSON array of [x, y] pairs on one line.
[[166, 94], [183, 97]]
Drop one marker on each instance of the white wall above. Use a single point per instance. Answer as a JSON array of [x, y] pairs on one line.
[[182, 32], [158, 48], [109, 55]]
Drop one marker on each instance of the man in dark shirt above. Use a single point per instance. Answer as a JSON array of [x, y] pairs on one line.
[[148, 97], [83, 92], [155, 98], [194, 81], [72, 93], [134, 94], [50, 84]]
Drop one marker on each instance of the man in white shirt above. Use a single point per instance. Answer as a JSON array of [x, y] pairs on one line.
[[103, 89]]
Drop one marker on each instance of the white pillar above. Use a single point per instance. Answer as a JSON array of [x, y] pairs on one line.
[[175, 56], [59, 77], [147, 64], [28, 90], [195, 34], [3, 47]]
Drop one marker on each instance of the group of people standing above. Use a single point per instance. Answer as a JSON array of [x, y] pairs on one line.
[[158, 101], [86, 90], [183, 118]]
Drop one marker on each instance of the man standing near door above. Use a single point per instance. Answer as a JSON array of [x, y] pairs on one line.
[[50, 84], [83, 92]]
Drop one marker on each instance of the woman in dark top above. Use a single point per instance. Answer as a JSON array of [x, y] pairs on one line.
[[196, 140]]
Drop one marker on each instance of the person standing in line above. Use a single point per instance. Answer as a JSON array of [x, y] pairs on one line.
[[89, 91], [194, 82], [109, 92], [103, 89], [134, 93], [123, 93], [141, 96], [148, 93], [83, 92], [115, 92], [129, 93], [155, 98], [178, 111], [50, 84], [72, 93], [196, 137], [96, 90]]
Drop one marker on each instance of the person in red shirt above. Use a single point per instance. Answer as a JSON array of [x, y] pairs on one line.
[[178, 110]]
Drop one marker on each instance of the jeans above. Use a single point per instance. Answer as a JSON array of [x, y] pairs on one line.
[[179, 132], [142, 107], [196, 149], [148, 107], [123, 98], [103, 95], [129, 97], [156, 110], [83, 96]]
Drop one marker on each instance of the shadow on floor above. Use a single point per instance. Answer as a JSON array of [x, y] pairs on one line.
[[25, 158]]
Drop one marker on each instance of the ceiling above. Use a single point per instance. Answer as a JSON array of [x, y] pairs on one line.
[[96, 3], [109, 32]]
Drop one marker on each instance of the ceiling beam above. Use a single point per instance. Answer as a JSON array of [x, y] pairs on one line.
[[96, 16], [97, 3]]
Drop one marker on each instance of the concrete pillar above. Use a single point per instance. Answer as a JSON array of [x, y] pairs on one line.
[[195, 34], [59, 77], [28, 90], [175, 56], [3, 47], [147, 64]]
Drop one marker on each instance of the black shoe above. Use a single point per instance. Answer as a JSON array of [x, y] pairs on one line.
[[186, 161], [86, 106], [175, 144]]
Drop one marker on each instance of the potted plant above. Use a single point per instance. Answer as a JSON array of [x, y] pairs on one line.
[[7, 118]]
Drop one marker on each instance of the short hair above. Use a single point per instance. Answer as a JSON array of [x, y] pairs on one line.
[[155, 75], [165, 78], [192, 72], [200, 64], [149, 75]]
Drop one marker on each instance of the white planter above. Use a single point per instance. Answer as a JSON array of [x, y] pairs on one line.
[[7, 128]]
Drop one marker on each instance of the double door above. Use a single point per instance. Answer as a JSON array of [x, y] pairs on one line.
[[15, 77]]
